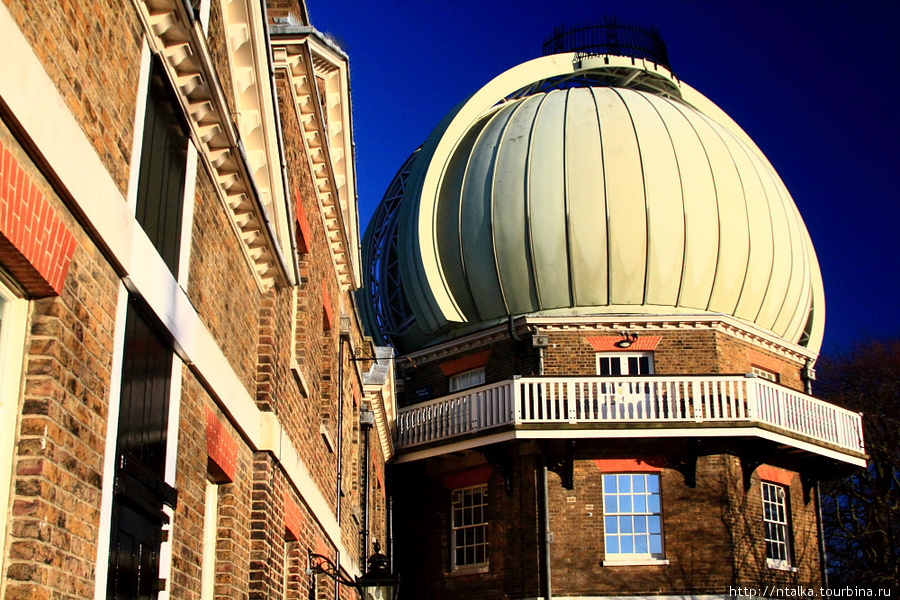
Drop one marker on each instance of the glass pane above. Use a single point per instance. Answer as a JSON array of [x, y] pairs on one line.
[[609, 484], [612, 525], [641, 544], [640, 504], [645, 364], [624, 504], [633, 365], [612, 544], [653, 483], [625, 525], [615, 366], [653, 503], [610, 505], [627, 545], [604, 366], [624, 483], [655, 524], [640, 524], [640, 483], [656, 544]]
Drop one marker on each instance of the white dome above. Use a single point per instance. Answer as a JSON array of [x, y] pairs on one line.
[[603, 200]]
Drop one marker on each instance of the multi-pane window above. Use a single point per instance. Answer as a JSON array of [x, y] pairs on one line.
[[630, 363], [469, 535], [467, 379], [632, 516], [776, 519], [764, 373]]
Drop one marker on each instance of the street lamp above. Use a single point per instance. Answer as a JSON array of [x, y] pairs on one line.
[[377, 583]]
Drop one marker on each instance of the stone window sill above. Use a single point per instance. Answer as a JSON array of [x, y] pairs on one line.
[[635, 562]]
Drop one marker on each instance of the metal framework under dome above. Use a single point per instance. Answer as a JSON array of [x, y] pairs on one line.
[[390, 309], [602, 75], [610, 37]]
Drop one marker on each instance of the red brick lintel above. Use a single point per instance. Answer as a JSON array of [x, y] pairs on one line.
[[630, 465], [35, 245], [644, 343]]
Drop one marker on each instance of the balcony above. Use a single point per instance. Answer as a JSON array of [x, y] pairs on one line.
[[622, 407]]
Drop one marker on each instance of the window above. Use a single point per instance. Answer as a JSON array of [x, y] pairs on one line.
[[160, 195], [467, 379], [764, 373], [776, 519], [469, 535], [632, 517], [631, 363]]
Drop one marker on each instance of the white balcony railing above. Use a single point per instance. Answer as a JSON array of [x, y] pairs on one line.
[[671, 401]]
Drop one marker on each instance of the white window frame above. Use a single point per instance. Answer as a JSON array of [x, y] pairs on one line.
[[621, 511], [467, 379], [777, 525], [763, 373], [623, 362], [210, 538], [13, 326], [472, 518]]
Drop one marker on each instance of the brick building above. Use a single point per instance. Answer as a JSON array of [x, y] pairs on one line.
[[189, 404], [608, 312]]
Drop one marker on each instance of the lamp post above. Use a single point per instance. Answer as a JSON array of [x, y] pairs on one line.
[[377, 583]]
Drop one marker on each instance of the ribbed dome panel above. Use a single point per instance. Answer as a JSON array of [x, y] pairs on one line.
[[544, 195], [603, 198]]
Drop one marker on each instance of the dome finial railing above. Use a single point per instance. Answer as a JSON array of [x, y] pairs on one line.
[[609, 37]]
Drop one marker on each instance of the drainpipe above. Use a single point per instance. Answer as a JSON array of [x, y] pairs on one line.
[[340, 452], [390, 531], [823, 556], [546, 590], [366, 421], [540, 342]]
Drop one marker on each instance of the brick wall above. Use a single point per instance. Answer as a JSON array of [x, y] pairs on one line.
[[97, 75], [714, 537], [58, 461], [220, 284]]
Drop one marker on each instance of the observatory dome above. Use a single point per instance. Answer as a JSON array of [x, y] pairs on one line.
[[575, 185]]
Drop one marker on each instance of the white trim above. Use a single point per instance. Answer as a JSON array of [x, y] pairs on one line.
[[564, 433], [187, 216], [109, 455], [634, 562], [36, 103], [173, 425], [622, 354], [210, 537], [14, 318]]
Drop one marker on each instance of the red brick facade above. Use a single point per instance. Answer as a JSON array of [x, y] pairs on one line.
[[264, 394]]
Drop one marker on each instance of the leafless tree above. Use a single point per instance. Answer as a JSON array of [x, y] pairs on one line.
[[861, 513]]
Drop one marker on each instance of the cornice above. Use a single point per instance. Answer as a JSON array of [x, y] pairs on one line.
[[616, 323], [298, 52], [173, 34]]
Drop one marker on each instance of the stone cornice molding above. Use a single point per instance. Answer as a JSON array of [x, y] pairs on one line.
[[616, 323], [173, 34], [327, 133]]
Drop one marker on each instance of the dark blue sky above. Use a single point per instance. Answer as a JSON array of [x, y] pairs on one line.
[[814, 83]]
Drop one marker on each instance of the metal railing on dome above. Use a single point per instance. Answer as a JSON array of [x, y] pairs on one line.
[[609, 37], [664, 400]]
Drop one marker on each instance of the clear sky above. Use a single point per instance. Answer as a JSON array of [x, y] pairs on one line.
[[814, 83]]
